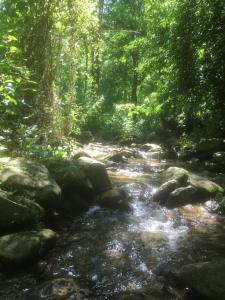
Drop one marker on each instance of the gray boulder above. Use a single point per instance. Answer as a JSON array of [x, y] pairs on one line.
[[31, 179], [24, 247]]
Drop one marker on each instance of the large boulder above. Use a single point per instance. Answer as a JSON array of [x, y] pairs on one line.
[[206, 279], [31, 179], [25, 247], [179, 174], [182, 196], [114, 199], [205, 188], [96, 173], [18, 211], [77, 189]]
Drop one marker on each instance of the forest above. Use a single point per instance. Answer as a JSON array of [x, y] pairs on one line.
[[112, 149]]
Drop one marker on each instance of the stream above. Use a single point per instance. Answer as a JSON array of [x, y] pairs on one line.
[[116, 255]]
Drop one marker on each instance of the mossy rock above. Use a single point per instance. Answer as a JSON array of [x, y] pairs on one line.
[[179, 174], [31, 179]]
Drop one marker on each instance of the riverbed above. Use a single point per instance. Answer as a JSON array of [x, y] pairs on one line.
[[118, 255]]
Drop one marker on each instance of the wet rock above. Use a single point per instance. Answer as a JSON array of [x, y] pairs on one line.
[[182, 196], [206, 278], [18, 211], [31, 179], [138, 191], [151, 147], [79, 153], [24, 247], [162, 194], [96, 173], [114, 199], [156, 155], [158, 237], [116, 157], [178, 174], [60, 288]]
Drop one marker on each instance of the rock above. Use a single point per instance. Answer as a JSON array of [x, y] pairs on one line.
[[31, 179], [24, 247], [77, 189], [205, 188], [205, 278], [60, 288], [69, 175], [210, 145], [114, 199], [178, 174], [156, 155], [79, 153], [182, 196], [184, 188], [219, 157], [187, 154], [116, 157], [152, 237], [162, 194], [127, 153], [151, 147], [18, 211], [96, 173]]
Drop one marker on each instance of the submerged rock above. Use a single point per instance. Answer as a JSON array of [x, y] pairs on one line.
[[205, 278], [31, 179], [60, 288], [18, 211], [24, 247]]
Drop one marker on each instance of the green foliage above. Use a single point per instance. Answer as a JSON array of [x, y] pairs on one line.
[[118, 70]]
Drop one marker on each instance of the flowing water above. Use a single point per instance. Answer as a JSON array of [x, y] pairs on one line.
[[116, 255]]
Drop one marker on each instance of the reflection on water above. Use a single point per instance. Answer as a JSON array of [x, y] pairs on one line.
[[115, 254]]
